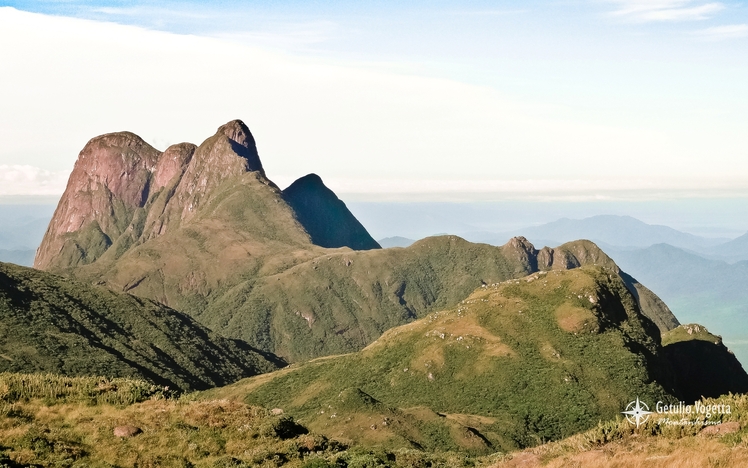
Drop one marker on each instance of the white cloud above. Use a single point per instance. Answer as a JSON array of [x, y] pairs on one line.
[[665, 10], [239, 25], [718, 33], [289, 36], [68, 80], [150, 11], [30, 180]]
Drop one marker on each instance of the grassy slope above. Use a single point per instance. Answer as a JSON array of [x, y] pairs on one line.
[[58, 421], [520, 362], [55, 421], [52, 324]]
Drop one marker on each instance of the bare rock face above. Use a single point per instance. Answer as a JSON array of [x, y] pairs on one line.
[[126, 431], [172, 163], [122, 192], [110, 180], [564, 257], [243, 143]]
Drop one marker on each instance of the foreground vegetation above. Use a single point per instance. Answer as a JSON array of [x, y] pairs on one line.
[[53, 421], [618, 443]]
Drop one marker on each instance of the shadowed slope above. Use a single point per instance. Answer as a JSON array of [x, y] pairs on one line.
[[52, 324], [703, 366], [325, 217]]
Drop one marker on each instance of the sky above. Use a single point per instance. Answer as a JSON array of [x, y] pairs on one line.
[[582, 100]]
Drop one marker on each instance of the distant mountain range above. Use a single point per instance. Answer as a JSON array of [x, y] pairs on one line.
[[23, 226], [19, 257], [619, 231], [21, 231], [698, 289], [396, 241]]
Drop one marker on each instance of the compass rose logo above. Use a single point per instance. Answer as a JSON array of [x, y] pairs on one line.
[[637, 412]]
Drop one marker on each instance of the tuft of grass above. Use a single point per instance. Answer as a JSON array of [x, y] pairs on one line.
[[55, 389]]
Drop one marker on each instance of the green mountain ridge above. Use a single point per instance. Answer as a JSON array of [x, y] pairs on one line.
[[515, 363], [51, 324], [204, 231], [441, 346]]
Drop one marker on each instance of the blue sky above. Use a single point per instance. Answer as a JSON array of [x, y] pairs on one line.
[[588, 98]]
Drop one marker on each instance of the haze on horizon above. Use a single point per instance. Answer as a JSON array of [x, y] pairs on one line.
[[592, 100]]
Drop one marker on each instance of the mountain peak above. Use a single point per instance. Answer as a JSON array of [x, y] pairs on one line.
[[309, 181], [325, 217], [242, 142]]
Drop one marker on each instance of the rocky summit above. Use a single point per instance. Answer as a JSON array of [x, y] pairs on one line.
[[123, 192]]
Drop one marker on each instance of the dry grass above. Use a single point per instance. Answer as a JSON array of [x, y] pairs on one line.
[[174, 433], [649, 452], [573, 319], [619, 445]]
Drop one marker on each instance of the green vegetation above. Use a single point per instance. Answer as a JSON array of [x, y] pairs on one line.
[[52, 324], [57, 389], [513, 365], [310, 302], [689, 332], [696, 440], [53, 421]]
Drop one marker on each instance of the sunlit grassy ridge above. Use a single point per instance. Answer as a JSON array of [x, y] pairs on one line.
[[303, 302], [513, 365]]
